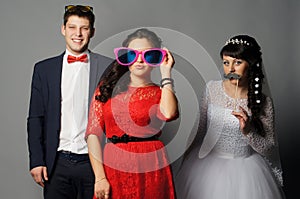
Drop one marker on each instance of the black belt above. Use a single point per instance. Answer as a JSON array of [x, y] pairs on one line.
[[126, 138], [74, 157]]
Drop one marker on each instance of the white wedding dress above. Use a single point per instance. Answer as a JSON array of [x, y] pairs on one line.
[[229, 165]]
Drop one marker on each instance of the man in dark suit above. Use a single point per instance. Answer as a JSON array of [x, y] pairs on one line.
[[61, 91]]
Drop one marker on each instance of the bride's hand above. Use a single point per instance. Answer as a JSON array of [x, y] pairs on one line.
[[244, 120]]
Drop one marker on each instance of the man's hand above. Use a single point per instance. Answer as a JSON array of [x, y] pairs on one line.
[[39, 174]]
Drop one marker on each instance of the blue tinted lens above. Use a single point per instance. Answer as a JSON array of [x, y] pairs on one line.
[[131, 55], [153, 56], [126, 56]]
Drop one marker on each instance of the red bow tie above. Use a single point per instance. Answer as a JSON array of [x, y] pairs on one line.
[[82, 58]]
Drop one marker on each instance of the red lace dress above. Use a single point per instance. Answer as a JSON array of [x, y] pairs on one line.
[[135, 170]]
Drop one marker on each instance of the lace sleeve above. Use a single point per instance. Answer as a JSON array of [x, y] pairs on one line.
[[199, 129], [203, 117], [96, 118], [268, 145], [265, 145]]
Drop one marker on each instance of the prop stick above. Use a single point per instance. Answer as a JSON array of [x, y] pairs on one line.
[[235, 95], [237, 77]]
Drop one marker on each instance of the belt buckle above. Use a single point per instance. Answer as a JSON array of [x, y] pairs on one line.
[[125, 138], [66, 152], [114, 139]]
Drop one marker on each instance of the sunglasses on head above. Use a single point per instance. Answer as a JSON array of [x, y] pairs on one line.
[[73, 8], [152, 56]]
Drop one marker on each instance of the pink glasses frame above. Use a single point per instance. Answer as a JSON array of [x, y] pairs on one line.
[[137, 52]]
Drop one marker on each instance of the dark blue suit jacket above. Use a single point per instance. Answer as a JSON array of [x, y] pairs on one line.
[[43, 122]]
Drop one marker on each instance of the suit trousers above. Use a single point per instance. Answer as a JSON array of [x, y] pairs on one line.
[[72, 178]]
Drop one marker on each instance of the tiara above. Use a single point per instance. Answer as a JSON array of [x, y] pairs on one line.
[[236, 41]]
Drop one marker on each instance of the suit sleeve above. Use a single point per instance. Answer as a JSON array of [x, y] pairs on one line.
[[35, 121]]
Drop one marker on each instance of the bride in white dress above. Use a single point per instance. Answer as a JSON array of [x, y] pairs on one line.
[[235, 152]]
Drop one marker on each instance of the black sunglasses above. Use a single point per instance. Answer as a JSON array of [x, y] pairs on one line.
[[73, 8]]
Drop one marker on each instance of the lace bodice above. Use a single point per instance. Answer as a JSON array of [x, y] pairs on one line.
[[135, 112], [231, 140], [221, 132], [217, 107]]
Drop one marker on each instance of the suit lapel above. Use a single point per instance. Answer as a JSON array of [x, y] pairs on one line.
[[98, 65], [58, 72], [93, 74], [57, 82]]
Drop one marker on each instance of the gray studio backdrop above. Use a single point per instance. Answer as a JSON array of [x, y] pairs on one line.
[[194, 30]]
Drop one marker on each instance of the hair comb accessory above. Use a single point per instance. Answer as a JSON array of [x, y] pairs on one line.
[[236, 41]]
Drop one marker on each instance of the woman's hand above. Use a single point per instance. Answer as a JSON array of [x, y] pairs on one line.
[[167, 64], [102, 189], [244, 120]]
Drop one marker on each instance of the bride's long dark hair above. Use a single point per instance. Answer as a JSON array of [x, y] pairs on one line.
[[116, 78], [246, 48]]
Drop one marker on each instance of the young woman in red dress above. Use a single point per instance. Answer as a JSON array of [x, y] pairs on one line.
[[129, 111]]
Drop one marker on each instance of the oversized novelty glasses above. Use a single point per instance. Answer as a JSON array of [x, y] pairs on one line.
[[72, 8], [152, 56]]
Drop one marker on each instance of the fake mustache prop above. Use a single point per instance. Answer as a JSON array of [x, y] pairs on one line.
[[232, 76]]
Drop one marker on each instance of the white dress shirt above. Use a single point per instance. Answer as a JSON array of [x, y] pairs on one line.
[[74, 105]]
